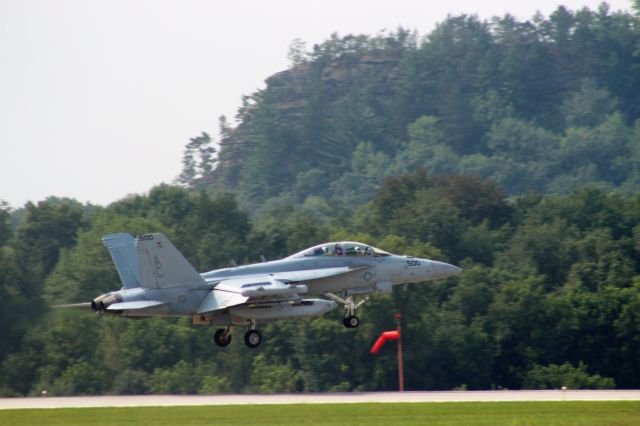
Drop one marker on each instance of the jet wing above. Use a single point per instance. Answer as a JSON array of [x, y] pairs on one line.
[[236, 291]]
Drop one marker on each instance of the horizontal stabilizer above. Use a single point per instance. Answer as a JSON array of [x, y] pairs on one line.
[[141, 304], [218, 299]]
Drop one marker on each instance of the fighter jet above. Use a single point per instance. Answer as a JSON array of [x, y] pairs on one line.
[[158, 281]]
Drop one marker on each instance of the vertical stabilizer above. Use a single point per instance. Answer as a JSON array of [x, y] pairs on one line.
[[162, 265], [125, 257]]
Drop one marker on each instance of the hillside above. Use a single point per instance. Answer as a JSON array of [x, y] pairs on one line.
[[545, 105]]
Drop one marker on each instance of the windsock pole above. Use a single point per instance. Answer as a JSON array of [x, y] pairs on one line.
[[400, 363], [393, 335]]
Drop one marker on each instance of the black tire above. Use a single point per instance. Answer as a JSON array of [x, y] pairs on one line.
[[218, 337], [351, 321], [253, 338]]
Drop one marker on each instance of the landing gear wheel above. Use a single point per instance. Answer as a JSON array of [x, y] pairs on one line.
[[351, 321], [221, 338], [350, 307], [253, 338]]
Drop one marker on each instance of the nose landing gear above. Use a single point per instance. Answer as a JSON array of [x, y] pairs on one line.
[[350, 306], [351, 321]]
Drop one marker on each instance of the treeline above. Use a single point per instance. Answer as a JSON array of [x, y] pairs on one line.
[[550, 295], [549, 105]]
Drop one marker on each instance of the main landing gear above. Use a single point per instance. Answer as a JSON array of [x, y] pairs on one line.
[[350, 306], [252, 338], [222, 336]]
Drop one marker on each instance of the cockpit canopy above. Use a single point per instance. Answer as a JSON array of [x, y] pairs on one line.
[[344, 248]]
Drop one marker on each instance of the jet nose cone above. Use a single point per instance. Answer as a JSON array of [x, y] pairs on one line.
[[444, 269]]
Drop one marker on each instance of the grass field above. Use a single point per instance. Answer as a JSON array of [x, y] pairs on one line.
[[456, 413]]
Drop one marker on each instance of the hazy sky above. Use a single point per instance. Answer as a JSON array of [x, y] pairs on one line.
[[98, 98]]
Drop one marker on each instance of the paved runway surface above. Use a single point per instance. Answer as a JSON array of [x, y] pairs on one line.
[[317, 398]]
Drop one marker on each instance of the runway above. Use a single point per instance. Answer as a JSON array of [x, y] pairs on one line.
[[317, 398]]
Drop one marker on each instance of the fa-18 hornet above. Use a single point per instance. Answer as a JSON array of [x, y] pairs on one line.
[[158, 281]]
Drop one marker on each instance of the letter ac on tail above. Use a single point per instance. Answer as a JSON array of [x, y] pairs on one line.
[[162, 265]]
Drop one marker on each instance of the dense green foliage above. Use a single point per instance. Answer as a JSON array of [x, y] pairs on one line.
[[411, 147], [467, 413], [546, 105], [550, 295]]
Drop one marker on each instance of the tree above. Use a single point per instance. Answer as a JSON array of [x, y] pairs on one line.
[[216, 232], [368, 168], [297, 53], [521, 141], [556, 376], [198, 159], [628, 333], [588, 106], [426, 149], [80, 379], [181, 378], [49, 226], [542, 248], [11, 306], [265, 171], [272, 378], [5, 229]]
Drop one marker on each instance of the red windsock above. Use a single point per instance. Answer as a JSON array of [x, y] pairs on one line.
[[386, 335]]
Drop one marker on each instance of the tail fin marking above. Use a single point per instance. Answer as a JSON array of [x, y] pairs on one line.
[[162, 265]]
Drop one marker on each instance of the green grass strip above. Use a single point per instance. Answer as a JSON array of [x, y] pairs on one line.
[[457, 413]]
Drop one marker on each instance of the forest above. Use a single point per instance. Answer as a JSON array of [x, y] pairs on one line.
[[509, 148], [547, 105]]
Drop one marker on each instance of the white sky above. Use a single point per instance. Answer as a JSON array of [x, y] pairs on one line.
[[98, 98]]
